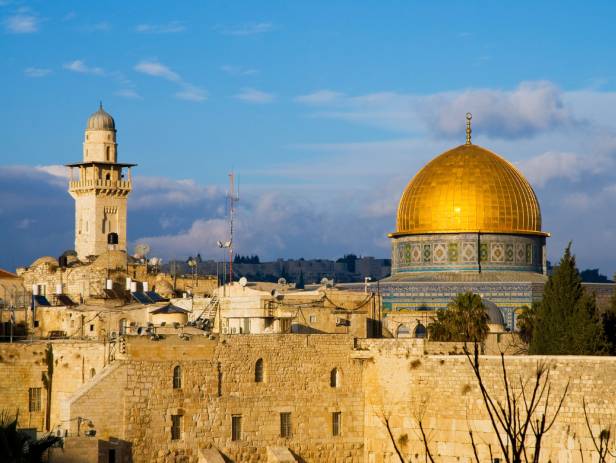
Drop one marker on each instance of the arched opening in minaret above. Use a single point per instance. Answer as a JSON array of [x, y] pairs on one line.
[[108, 153]]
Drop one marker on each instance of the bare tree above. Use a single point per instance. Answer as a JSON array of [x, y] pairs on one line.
[[396, 442], [603, 442], [521, 419]]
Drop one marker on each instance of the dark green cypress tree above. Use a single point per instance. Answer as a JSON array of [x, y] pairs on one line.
[[567, 320], [609, 324]]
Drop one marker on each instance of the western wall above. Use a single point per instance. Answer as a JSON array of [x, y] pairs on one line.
[[132, 400]]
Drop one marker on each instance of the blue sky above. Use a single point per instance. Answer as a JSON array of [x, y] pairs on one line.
[[325, 109]]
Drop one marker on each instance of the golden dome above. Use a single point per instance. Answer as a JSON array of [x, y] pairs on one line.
[[468, 189]]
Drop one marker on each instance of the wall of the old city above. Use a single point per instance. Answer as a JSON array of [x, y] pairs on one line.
[[22, 366], [442, 390], [220, 383]]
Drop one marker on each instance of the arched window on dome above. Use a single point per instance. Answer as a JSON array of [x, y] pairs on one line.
[[403, 332], [420, 331], [177, 377], [334, 377], [259, 371]]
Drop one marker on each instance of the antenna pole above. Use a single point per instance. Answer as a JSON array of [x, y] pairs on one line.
[[232, 200]]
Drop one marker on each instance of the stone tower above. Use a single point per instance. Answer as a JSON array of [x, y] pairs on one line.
[[100, 189]]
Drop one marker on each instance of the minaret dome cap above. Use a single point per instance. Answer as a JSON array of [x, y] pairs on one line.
[[101, 120]]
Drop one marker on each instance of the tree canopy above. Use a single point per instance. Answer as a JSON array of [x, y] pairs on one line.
[[464, 320], [567, 321]]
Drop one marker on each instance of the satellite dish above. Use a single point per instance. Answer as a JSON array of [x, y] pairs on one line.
[[243, 281], [155, 261], [142, 250], [282, 281]]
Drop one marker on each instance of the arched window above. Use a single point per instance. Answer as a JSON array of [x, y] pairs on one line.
[[92, 372], [334, 378], [259, 371], [108, 177], [177, 377], [108, 155], [403, 332], [420, 331]]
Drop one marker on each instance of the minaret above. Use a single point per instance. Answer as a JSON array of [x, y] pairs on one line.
[[100, 190]]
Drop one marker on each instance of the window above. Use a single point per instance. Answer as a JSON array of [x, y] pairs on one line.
[[92, 372], [313, 318], [108, 154], [108, 177], [336, 423], [91, 327], [420, 331], [177, 377], [236, 427], [334, 378], [176, 427], [34, 399], [285, 424], [246, 325], [259, 371]]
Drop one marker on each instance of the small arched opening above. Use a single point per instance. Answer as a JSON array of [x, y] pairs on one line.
[[334, 378], [403, 332], [420, 331], [259, 371], [177, 377]]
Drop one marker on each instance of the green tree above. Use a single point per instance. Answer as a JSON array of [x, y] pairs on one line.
[[526, 320], [567, 321], [17, 446], [464, 320], [609, 324]]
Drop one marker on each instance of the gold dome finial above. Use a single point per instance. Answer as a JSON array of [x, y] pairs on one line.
[[469, 116]]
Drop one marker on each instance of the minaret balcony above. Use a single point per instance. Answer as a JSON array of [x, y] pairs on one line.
[[100, 184]]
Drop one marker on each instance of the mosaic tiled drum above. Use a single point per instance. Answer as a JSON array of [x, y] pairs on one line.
[[467, 221]]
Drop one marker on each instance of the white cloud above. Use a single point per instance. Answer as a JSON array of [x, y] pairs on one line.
[[128, 93], [238, 70], [22, 22], [252, 95], [529, 109], [168, 28], [37, 72], [552, 165], [82, 68], [156, 69], [245, 29], [319, 97], [187, 90], [191, 93]]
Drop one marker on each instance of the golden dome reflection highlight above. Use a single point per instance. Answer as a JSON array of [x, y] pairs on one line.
[[468, 189]]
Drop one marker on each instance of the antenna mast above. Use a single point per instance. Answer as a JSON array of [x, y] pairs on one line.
[[233, 198]]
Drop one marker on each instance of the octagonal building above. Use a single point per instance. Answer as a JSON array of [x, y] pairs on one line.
[[467, 221]]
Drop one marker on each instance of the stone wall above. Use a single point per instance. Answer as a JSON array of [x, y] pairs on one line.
[[22, 366], [220, 383], [443, 392]]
